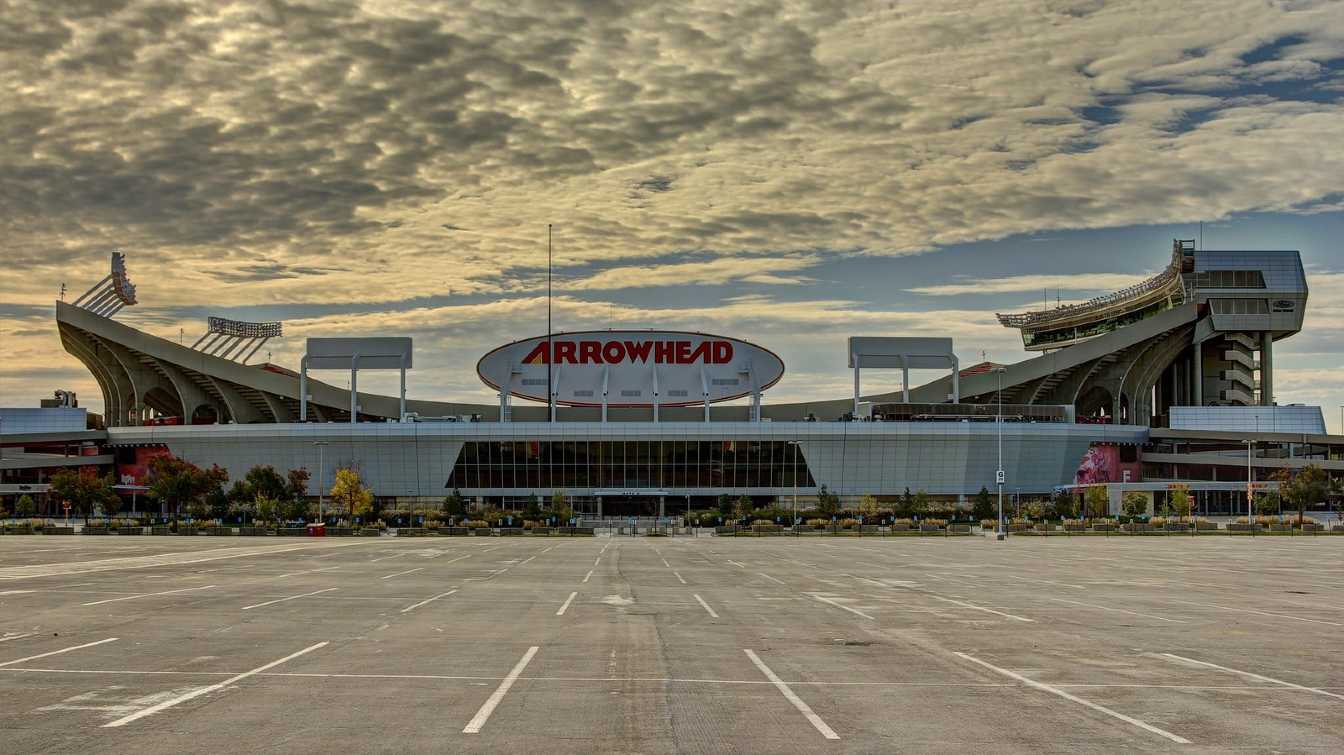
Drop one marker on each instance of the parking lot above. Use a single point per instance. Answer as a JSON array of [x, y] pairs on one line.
[[163, 645]]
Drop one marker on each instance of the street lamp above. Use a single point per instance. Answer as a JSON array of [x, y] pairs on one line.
[[321, 474], [1250, 484], [998, 474], [794, 443]]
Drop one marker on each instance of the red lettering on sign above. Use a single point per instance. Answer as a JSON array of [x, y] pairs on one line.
[[617, 352], [537, 355], [638, 352], [723, 352], [589, 352], [564, 352], [701, 353]]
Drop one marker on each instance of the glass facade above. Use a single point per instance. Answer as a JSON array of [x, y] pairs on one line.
[[656, 465]]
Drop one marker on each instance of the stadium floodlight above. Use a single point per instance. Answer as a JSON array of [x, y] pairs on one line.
[[238, 339], [999, 477], [110, 294]]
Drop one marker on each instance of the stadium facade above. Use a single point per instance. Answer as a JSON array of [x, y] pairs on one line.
[[1158, 383]]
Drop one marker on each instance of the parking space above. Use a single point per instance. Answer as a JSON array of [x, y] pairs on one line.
[[670, 645]]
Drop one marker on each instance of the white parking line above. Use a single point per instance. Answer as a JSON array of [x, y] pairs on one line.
[[840, 605], [408, 571], [772, 579], [483, 715], [306, 571], [974, 607], [455, 560], [1260, 613], [408, 609], [292, 597], [565, 607], [1072, 698], [1120, 610], [1270, 679], [789, 695], [394, 555], [57, 652], [589, 574], [145, 595], [16, 636], [734, 563], [677, 574], [523, 562], [597, 561], [151, 710], [706, 606]]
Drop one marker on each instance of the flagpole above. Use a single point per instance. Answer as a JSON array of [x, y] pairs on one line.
[[550, 397]]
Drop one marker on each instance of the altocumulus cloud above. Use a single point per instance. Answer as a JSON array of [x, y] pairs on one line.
[[288, 153]]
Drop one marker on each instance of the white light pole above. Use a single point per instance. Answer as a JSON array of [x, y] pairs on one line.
[[321, 474], [998, 475], [1250, 485], [794, 443]]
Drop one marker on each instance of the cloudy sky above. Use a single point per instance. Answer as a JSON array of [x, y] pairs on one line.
[[787, 172]]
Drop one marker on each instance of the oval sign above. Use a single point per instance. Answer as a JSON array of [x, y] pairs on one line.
[[631, 368]]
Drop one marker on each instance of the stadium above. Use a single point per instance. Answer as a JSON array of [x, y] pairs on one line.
[[1161, 384]]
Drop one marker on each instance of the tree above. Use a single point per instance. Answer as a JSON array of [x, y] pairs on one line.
[[25, 506], [263, 481], [982, 506], [267, 509], [1134, 505], [828, 503], [1178, 501], [1309, 485], [725, 504], [868, 506], [349, 494], [177, 482], [85, 492], [533, 508], [454, 505], [919, 504], [1065, 505], [1098, 502], [296, 483], [744, 507], [1268, 503]]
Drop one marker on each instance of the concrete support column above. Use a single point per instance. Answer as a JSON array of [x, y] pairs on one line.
[[354, 389], [1197, 375], [1266, 368], [303, 389]]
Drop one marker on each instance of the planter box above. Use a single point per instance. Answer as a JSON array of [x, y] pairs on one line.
[[160, 530], [959, 529], [294, 531], [482, 531], [94, 531], [1132, 527], [1206, 526], [900, 528], [218, 531], [1240, 527], [1181, 527], [507, 531], [57, 531], [1280, 528], [539, 531], [130, 530], [766, 529], [410, 532], [369, 532], [456, 531], [930, 528], [1074, 528]]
